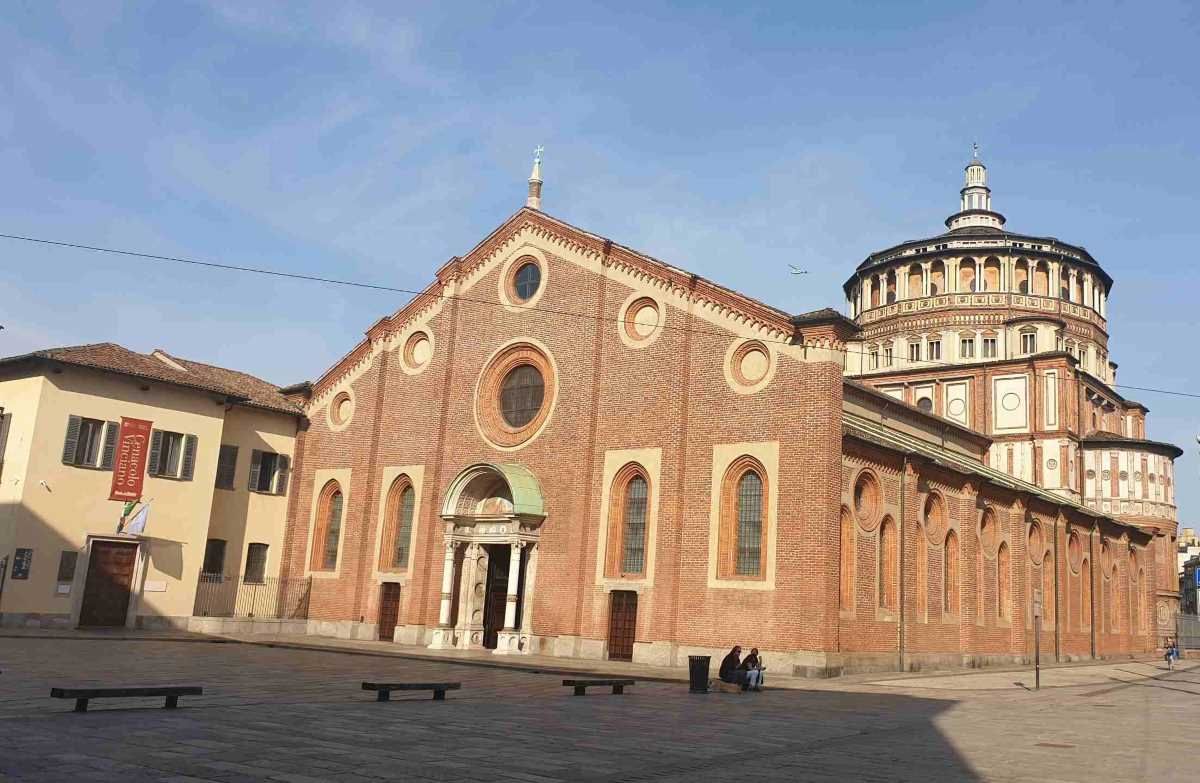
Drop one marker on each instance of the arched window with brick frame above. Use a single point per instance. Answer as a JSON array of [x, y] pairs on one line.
[[1085, 592], [1003, 583], [846, 572], [887, 586], [628, 504], [399, 510], [743, 530], [950, 595], [327, 530]]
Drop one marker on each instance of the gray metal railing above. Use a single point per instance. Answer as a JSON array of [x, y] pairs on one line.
[[272, 597]]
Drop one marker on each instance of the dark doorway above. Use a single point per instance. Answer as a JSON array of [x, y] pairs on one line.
[[389, 610], [622, 625], [106, 592], [497, 594]]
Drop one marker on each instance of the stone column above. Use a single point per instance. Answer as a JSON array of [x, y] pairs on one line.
[[926, 277], [514, 573], [443, 637], [510, 641]]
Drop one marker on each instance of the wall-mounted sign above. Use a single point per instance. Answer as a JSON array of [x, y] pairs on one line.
[[22, 561], [129, 464]]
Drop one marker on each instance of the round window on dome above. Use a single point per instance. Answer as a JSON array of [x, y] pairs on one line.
[[521, 395], [925, 404]]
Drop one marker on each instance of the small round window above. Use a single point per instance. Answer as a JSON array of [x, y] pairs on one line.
[[526, 281], [521, 395], [925, 404]]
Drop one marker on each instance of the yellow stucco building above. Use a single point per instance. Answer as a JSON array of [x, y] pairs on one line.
[[218, 467]]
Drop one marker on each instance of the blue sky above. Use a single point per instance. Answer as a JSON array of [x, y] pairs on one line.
[[374, 142]]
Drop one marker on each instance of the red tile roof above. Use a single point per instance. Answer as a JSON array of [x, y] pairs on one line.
[[160, 366]]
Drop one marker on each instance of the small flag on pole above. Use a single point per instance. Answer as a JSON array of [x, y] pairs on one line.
[[137, 525]]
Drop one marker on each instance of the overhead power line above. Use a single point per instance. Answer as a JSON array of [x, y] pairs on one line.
[[460, 298]]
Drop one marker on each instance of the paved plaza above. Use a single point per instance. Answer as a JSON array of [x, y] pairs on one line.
[[278, 714]]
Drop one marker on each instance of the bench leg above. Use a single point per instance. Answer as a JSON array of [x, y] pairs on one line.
[[439, 695], [172, 703], [618, 690], [383, 696], [580, 690], [81, 705]]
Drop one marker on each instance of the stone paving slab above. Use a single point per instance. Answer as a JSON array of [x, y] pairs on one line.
[[1061, 677], [278, 714]]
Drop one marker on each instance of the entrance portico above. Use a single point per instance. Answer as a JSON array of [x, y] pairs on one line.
[[493, 516]]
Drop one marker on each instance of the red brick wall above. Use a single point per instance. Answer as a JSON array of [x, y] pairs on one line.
[[671, 394]]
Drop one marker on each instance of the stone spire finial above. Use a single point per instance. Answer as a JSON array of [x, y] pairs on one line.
[[534, 200]]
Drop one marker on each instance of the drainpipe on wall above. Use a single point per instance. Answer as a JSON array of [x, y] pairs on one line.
[[900, 570]]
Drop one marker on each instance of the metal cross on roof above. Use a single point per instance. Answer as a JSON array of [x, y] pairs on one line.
[[537, 153]]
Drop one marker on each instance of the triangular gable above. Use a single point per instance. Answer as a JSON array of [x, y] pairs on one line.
[[457, 276]]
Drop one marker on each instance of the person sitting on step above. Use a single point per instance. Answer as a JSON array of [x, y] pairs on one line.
[[752, 669], [729, 671]]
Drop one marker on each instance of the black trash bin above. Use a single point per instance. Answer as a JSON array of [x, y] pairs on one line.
[[698, 673]]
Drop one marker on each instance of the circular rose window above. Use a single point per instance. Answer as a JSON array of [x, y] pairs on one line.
[[750, 363], [341, 410], [866, 501], [521, 395], [515, 395], [641, 319], [525, 280], [417, 350]]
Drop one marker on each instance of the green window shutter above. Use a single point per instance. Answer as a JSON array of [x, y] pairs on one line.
[[72, 440], [189, 457], [155, 451], [111, 429], [255, 468], [283, 471]]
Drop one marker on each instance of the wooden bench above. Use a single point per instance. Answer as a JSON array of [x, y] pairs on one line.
[[82, 695], [581, 686], [384, 689]]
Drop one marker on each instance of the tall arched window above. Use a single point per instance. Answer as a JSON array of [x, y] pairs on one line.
[[1085, 592], [887, 564], [327, 530], [742, 537], [749, 524], [950, 574], [921, 556], [1003, 583], [849, 535], [1143, 613], [633, 556], [398, 524], [627, 511], [1113, 596]]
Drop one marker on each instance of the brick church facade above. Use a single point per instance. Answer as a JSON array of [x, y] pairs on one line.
[[565, 447]]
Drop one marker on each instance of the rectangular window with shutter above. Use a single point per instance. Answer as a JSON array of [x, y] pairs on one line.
[[256, 563], [90, 443], [269, 472], [226, 466], [172, 455]]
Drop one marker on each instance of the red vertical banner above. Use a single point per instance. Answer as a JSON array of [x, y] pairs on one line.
[[129, 463]]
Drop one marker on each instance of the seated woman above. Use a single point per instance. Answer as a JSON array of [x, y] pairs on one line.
[[730, 671], [752, 669]]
